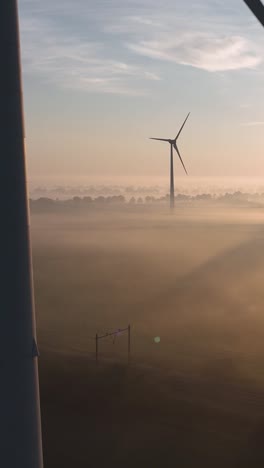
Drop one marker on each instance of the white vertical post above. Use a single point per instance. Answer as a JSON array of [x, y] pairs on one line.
[[171, 178]]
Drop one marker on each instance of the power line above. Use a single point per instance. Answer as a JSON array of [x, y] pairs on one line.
[[115, 333]]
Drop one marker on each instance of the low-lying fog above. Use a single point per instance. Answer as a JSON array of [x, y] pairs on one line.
[[194, 278]]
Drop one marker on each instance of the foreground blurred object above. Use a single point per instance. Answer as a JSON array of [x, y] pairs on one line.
[[20, 431], [257, 7]]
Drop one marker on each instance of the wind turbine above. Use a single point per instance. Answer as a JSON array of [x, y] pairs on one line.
[[173, 144]]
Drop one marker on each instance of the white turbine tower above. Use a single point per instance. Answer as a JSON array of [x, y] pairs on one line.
[[20, 433], [173, 144]]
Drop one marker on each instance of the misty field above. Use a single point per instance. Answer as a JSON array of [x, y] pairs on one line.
[[194, 279]]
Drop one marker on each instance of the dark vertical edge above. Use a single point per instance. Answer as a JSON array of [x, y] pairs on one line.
[[20, 425]]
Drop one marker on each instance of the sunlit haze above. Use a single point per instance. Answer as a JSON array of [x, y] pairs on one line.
[[101, 77], [148, 290]]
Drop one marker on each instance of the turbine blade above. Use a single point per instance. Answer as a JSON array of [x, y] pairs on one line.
[[257, 8], [160, 139], [181, 127], [176, 149]]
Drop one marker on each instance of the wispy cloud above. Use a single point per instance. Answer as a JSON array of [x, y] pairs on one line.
[[253, 123], [245, 106], [133, 25], [98, 46], [203, 51], [209, 36], [78, 63]]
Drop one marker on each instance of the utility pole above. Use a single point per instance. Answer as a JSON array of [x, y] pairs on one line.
[[96, 348], [128, 343], [114, 334], [20, 428]]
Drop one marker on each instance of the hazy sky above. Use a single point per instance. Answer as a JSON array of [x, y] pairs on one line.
[[102, 76]]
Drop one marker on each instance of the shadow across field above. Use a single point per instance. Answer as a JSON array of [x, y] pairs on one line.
[[114, 416], [195, 398]]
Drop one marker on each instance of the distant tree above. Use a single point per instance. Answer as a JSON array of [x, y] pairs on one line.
[[139, 200], [42, 203], [115, 199], [132, 200], [149, 199], [203, 196], [120, 199], [77, 200], [87, 199], [182, 196], [100, 199]]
